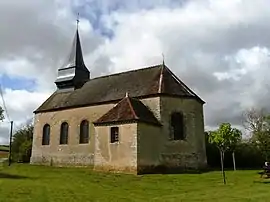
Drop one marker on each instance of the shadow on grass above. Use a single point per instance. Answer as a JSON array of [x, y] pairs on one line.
[[170, 170], [10, 176], [176, 170], [262, 182]]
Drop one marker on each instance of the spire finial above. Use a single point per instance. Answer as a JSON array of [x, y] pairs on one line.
[[78, 20], [163, 61]]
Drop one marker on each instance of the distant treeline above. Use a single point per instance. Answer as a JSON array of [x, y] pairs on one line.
[[4, 148], [247, 156]]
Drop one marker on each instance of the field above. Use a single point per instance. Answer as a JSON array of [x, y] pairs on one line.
[[4, 148], [22, 182], [3, 154]]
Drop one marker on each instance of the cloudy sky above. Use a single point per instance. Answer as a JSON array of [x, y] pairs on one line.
[[219, 48]]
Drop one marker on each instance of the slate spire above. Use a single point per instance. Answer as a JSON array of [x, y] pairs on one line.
[[73, 73]]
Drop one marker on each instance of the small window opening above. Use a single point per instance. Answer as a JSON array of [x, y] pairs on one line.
[[114, 134]]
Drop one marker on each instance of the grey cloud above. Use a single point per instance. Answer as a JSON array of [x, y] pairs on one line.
[[35, 31], [195, 51]]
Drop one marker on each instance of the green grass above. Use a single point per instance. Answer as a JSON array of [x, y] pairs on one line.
[[37, 183]]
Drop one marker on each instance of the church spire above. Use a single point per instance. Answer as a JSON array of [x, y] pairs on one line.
[[76, 56], [73, 73]]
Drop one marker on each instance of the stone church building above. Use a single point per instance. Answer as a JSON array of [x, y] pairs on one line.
[[127, 122]]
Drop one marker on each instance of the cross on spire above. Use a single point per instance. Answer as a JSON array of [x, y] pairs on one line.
[[163, 62], [78, 20]]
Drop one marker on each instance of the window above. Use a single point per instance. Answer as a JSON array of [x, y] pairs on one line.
[[84, 132], [46, 135], [64, 133], [177, 125], [114, 134]]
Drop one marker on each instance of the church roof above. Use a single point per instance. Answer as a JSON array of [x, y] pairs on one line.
[[145, 82], [128, 109]]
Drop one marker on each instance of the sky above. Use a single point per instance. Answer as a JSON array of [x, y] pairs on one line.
[[220, 49]]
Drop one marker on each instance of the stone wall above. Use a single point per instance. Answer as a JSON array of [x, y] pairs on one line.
[[157, 149], [73, 153], [188, 153], [150, 142], [154, 105], [140, 145], [118, 156]]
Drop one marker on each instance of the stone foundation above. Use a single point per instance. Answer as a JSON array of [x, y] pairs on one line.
[[116, 169], [63, 160]]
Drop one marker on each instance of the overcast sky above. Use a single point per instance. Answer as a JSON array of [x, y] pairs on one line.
[[219, 48]]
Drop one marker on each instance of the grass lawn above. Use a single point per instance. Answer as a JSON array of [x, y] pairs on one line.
[[22, 182]]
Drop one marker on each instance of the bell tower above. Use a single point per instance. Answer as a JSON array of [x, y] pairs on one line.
[[73, 74]]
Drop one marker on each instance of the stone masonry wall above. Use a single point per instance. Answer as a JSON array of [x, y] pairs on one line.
[[118, 156], [150, 142], [73, 153], [189, 153], [152, 146]]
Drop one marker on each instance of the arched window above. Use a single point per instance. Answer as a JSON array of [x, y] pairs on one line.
[[46, 135], [84, 132], [177, 124], [64, 133]]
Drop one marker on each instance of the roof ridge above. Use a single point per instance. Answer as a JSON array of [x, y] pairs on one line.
[[161, 79], [125, 72], [131, 107]]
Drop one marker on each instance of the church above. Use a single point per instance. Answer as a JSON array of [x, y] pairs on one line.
[[130, 122]]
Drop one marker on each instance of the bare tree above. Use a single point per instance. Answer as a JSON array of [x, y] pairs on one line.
[[253, 120]]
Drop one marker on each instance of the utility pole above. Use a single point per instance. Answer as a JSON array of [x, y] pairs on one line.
[[10, 140]]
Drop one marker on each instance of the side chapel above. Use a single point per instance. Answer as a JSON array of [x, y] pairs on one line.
[[127, 122]]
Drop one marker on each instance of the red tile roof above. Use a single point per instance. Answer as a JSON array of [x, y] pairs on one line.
[[128, 109]]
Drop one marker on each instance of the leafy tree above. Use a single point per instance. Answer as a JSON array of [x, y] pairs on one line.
[[225, 138], [1, 114], [220, 138], [22, 144]]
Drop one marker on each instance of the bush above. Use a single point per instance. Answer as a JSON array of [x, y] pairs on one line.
[[22, 144]]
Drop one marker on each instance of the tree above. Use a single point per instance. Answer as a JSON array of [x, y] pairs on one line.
[[225, 138], [253, 120], [22, 144], [1, 114], [257, 121], [219, 137], [234, 138], [262, 138]]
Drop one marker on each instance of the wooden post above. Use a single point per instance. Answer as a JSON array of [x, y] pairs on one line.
[[10, 140]]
